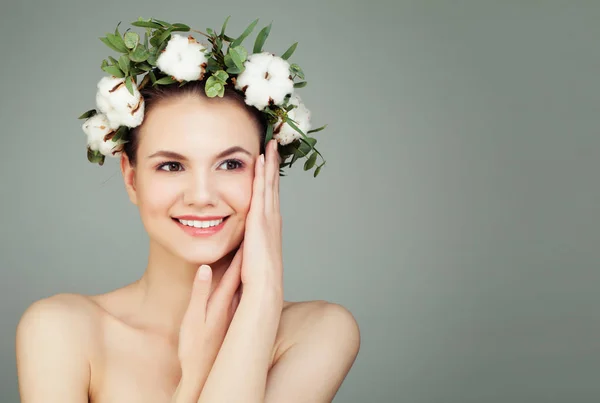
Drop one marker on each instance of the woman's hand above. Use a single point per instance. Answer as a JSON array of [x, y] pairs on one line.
[[207, 319], [262, 263]]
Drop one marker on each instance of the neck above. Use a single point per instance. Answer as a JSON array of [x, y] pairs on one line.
[[165, 288]]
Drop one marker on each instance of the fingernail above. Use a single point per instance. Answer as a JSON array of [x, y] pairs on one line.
[[262, 159], [204, 272]]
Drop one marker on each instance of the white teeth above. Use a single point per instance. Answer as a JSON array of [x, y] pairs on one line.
[[201, 224]]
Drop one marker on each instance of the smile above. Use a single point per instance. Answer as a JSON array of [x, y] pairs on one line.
[[197, 228], [201, 224]]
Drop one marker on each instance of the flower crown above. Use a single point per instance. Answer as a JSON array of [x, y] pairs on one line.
[[162, 58]]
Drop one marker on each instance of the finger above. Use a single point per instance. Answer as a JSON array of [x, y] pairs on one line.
[[258, 187], [222, 295], [271, 169], [196, 310], [235, 301], [276, 184]]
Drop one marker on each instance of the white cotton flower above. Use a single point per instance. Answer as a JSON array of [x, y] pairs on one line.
[[265, 80], [283, 132], [97, 128], [116, 102], [183, 59], [111, 148]]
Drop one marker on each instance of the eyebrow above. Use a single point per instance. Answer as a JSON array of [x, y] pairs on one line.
[[174, 155]]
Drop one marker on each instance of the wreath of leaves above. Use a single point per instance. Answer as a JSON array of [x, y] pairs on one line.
[[226, 57]]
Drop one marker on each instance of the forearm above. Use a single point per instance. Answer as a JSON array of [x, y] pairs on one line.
[[239, 373], [189, 388]]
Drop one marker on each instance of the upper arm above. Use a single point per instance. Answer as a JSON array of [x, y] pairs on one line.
[[52, 359], [313, 369]]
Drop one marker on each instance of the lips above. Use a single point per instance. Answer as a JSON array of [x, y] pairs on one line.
[[201, 231]]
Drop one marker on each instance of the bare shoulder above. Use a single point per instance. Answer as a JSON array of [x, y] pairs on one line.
[[320, 342], [305, 320], [54, 338], [76, 310]]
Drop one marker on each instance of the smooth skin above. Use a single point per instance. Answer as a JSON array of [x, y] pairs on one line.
[[147, 342]]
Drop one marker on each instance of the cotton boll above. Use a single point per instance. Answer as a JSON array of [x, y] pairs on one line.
[[283, 132], [96, 127], [110, 148], [183, 59], [118, 104], [129, 118], [265, 80]]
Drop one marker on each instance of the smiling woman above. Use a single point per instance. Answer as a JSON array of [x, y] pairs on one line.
[[208, 312]]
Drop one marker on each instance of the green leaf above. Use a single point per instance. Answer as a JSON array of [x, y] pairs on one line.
[[114, 71], [236, 57], [117, 33], [310, 162], [180, 27], [163, 23], [214, 87], [300, 84], [110, 45], [242, 52], [261, 38], [243, 36], [213, 65], [317, 130], [152, 77], [129, 84], [113, 61], [289, 52], [293, 126], [152, 60], [221, 76], [144, 66], [234, 70], [269, 134], [139, 54], [124, 64], [224, 26], [117, 42], [88, 114], [104, 63], [95, 157], [161, 48], [131, 40], [146, 24], [294, 159], [317, 171], [295, 69], [120, 134], [155, 39], [165, 81], [306, 144], [210, 32], [165, 35]]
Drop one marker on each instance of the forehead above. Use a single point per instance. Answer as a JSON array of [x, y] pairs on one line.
[[197, 126]]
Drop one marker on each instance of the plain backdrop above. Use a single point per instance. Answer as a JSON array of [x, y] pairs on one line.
[[457, 217]]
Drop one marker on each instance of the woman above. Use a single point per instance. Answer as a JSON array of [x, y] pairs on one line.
[[207, 321]]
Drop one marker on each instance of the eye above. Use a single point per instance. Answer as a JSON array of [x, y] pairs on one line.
[[171, 165], [232, 164]]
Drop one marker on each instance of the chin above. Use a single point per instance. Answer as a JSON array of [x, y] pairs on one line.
[[204, 253]]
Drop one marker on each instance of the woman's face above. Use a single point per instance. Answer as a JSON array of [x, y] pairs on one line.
[[195, 158]]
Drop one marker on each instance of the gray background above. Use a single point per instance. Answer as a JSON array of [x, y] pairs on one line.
[[457, 218]]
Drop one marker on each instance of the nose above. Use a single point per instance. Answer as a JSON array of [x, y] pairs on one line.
[[200, 190]]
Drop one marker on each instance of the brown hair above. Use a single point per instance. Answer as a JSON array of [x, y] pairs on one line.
[[155, 95]]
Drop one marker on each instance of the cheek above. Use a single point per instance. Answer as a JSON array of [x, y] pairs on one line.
[[155, 195], [238, 194]]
